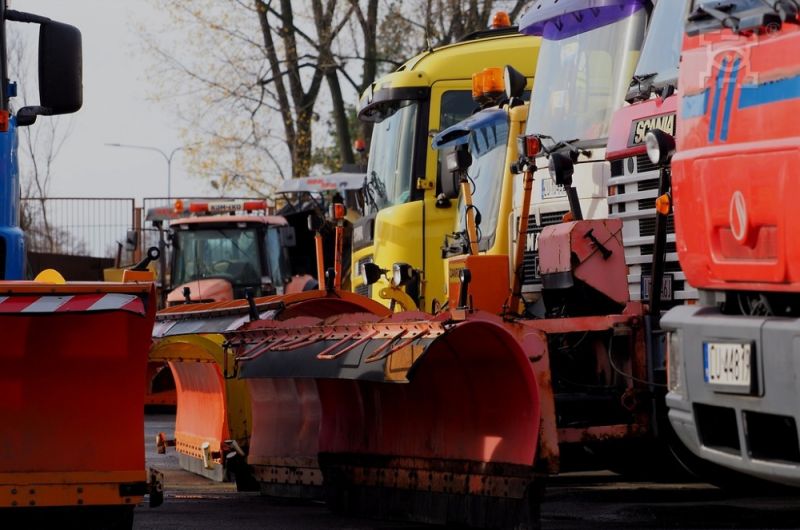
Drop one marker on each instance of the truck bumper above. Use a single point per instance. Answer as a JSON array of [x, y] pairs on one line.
[[754, 433]]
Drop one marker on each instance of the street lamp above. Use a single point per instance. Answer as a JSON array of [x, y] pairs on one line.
[[167, 157]]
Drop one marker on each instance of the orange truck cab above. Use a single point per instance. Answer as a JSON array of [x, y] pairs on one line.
[[733, 373]]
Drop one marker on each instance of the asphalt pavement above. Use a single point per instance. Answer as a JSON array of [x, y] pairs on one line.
[[592, 500]]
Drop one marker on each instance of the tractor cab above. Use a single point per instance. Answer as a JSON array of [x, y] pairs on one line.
[[225, 248]]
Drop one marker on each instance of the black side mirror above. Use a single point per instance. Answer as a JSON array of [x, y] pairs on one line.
[[131, 240], [60, 72], [448, 180]]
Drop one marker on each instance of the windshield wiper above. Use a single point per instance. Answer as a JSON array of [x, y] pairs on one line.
[[643, 86], [641, 78], [558, 145], [725, 19]]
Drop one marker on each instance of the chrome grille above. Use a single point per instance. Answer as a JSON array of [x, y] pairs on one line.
[[530, 260], [636, 190]]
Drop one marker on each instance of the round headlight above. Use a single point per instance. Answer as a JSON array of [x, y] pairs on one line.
[[660, 146], [653, 151]]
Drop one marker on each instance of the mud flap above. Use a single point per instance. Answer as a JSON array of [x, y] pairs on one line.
[[431, 420], [72, 369]]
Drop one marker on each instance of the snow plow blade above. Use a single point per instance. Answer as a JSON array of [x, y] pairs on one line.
[[429, 418], [72, 370], [215, 415]]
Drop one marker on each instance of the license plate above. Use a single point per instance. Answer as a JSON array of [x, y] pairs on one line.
[[666, 287], [728, 364], [551, 190]]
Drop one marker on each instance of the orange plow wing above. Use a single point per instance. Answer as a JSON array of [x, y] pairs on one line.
[[72, 369], [422, 417], [215, 408]]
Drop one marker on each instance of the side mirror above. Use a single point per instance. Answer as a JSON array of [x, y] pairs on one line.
[[60, 72], [288, 236], [131, 240], [449, 182], [514, 82]]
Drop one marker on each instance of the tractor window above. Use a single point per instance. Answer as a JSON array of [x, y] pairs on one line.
[[277, 258], [226, 253]]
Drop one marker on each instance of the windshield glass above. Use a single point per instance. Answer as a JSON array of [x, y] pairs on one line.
[[391, 157], [582, 79], [488, 148], [661, 53], [230, 254]]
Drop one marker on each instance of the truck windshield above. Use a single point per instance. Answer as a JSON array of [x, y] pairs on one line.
[[582, 79], [391, 157], [488, 148], [227, 253], [661, 53]]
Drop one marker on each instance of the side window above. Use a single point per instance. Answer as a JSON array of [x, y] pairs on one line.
[[456, 105]]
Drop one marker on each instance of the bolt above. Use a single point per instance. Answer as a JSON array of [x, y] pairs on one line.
[[33, 491], [80, 501], [80, 490], [13, 503], [14, 491], [32, 503]]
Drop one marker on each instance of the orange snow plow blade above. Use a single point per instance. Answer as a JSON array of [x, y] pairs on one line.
[[430, 418], [215, 408], [72, 369]]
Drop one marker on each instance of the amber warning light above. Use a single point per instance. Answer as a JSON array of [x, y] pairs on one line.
[[488, 83], [501, 20], [212, 207]]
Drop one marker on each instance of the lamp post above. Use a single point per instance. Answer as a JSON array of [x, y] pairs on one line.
[[167, 157]]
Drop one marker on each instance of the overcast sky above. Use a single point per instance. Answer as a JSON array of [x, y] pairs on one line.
[[115, 109]]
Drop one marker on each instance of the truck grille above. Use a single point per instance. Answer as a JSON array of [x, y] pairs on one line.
[[530, 260], [636, 182]]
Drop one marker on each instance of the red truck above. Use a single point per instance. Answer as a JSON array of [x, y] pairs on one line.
[[733, 356]]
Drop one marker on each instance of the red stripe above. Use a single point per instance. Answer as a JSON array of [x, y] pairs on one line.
[[80, 302], [136, 306], [15, 304]]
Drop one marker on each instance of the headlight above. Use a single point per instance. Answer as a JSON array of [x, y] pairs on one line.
[[660, 146], [371, 273], [674, 362], [402, 274]]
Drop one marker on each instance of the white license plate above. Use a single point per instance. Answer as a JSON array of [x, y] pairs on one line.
[[727, 364], [550, 189]]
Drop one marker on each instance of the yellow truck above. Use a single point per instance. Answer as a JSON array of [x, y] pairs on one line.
[[406, 218]]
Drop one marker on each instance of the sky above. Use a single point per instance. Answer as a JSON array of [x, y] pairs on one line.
[[116, 108]]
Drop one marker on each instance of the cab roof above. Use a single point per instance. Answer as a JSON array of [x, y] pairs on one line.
[[457, 61]]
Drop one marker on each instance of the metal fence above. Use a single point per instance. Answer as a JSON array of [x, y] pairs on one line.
[[77, 226], [96, 227]]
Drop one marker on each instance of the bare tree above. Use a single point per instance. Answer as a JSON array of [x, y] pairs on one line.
[[250, 78]]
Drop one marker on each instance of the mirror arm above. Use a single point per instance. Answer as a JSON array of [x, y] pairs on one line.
[[20, 16], [27, 115]]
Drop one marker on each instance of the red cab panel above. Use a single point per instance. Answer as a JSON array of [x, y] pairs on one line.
[[738, 150]]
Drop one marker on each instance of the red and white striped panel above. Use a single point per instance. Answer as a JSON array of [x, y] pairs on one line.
[[72, 303]]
